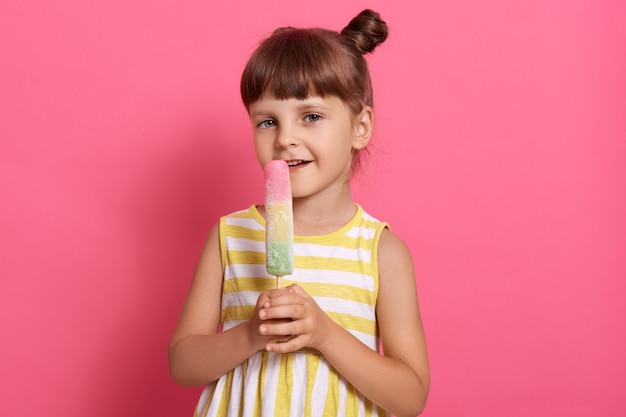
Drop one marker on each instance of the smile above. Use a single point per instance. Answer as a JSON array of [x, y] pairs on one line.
[[297, 162]]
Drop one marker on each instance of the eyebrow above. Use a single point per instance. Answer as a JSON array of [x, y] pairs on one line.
[[302, 107], [312, 103], [261, 113], [312, 106]]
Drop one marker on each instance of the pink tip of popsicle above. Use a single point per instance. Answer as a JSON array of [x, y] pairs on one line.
[[277, 187]]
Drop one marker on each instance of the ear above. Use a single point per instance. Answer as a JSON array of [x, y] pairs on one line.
[[363, 128]]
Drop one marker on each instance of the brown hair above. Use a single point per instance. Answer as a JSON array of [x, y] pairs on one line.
[[298, 63]]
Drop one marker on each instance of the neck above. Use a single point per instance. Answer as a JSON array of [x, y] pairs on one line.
[[323, 214]]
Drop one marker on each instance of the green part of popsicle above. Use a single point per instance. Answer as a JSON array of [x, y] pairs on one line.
[[280, 258]]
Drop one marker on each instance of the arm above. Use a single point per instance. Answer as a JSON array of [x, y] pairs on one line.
[[398, 381], [197, 353]]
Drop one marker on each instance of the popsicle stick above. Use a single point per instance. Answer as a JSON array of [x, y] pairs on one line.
[[279, 281]]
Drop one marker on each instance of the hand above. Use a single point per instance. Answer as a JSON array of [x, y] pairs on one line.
[[257, 340], [292, 312]]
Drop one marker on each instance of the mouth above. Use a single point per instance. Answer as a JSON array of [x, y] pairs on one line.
[[297, 162]]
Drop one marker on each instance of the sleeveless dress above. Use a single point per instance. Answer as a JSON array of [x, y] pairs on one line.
[[339, 271]]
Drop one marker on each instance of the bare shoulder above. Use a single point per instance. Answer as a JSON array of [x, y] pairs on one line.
[[389, 238], [394, 257], [210, 255]]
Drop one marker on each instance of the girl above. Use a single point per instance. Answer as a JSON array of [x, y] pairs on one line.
[[312, 348]]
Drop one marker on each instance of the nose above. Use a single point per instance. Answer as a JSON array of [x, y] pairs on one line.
[[287, 137]]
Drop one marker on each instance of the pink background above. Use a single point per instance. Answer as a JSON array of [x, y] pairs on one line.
[[499, 156]]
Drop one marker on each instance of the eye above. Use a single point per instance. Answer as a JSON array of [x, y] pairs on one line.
[[313, 117], [267, 123]]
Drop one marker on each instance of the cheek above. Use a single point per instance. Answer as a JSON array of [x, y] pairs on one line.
[[263, 153]]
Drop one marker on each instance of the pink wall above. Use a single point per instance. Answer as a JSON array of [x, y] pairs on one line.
[[500, 158]]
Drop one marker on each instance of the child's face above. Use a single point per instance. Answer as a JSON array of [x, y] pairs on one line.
[[316, 136]]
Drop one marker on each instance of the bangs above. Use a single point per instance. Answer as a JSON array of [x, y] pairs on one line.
[[297, 63]]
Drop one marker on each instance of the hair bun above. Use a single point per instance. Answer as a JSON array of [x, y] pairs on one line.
[[366, 31]]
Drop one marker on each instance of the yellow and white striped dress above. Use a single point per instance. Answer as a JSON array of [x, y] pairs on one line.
[[339, 271]]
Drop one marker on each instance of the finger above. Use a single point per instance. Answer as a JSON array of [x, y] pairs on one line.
[[263, 298], [276, 292], [286, 311], [280, 329], [291, 345], [288, 298], [285, 327], [296, 289]]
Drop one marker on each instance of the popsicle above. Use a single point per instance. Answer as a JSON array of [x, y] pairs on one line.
[[279, 220]]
